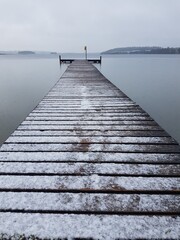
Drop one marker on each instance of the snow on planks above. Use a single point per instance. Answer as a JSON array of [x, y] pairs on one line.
[[88, 162]]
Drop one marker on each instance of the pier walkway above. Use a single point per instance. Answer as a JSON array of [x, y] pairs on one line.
[[89, 163]]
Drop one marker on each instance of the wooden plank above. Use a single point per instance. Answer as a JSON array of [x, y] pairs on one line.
[[92, 122], [87, 118], [93, 157], [84, 202], [92, 101], [89, 147], [74, 93], [90, 133], [84, 108], [106, 105], [90, 183], [79, 97], [90, 140], [120, 106], [80, 128], [95, 114], [89, 168], [91, 226], [88, 112]]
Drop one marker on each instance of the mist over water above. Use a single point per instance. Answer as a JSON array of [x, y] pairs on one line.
[[153, 81]]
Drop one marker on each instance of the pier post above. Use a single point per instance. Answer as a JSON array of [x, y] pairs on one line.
[[60, 59], [85, 49]]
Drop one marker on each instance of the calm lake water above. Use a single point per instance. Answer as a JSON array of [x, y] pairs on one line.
[[24, 81], [153, 81]]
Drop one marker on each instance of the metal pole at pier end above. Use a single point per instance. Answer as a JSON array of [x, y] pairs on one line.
[[85, 49]]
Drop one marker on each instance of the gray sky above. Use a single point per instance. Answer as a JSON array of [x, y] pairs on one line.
[[68, 25]]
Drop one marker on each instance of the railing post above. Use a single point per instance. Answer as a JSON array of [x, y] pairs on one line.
[[60, 59], [85, 49]]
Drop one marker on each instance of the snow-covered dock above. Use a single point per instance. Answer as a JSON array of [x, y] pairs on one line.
[[89, 163]]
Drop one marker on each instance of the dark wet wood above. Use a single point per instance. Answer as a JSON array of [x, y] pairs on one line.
[[88, 151]]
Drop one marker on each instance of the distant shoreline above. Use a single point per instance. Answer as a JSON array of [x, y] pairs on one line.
[[24, 53], [143, 50], [139, 53], [106, 53]]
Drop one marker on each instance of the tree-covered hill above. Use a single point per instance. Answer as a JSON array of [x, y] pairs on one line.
[[143, 50]]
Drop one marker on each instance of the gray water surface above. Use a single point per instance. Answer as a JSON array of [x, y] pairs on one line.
[[153, 81], [24, 81]]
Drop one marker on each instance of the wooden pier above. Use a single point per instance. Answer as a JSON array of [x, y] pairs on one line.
[[89, 163]]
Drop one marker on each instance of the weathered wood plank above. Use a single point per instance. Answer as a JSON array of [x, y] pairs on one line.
[[92, 122], [90, 140], [74, 93], [91, 226], [89, 147], [95, 114], [105, 105], [92, 101], [90, 133], [85, 111], [93, 156], [79, 127], [87, 118], [89, 168], [75, 107], [90, 183], [83, 202]]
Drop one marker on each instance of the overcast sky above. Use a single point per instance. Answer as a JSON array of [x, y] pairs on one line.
[[68, 25]]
